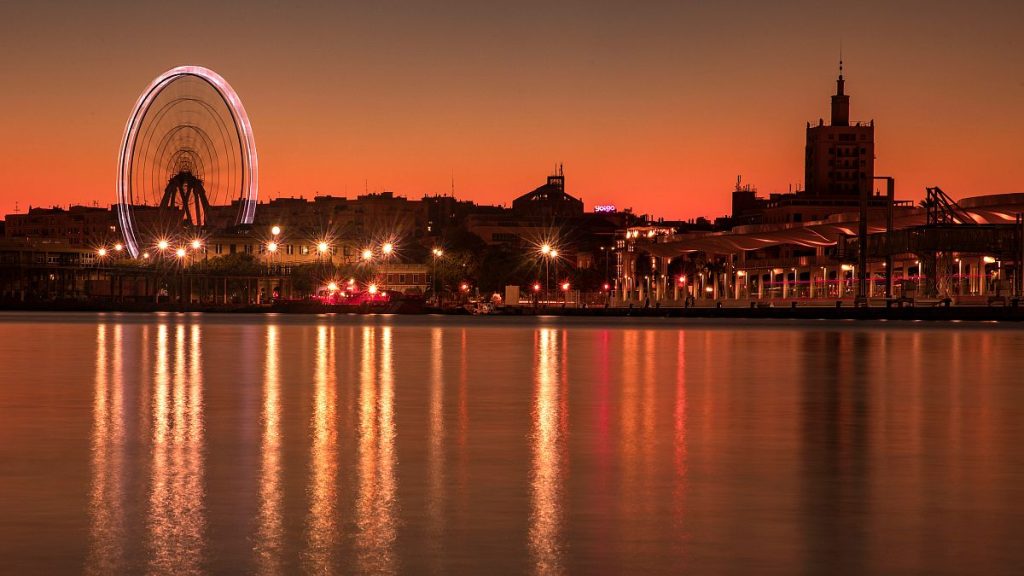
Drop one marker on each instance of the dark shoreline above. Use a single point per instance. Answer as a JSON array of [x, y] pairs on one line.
[[845, 313]]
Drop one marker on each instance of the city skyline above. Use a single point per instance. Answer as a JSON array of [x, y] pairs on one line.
[[657, 109]]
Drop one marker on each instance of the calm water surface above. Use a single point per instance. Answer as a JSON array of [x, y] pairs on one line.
[[183, 444]]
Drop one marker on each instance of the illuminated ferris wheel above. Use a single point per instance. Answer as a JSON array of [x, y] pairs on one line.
[[187, 160]]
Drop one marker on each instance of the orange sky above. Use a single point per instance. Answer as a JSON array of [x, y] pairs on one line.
[[656, 107]]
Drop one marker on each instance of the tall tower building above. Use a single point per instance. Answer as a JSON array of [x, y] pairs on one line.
[[840, 160]]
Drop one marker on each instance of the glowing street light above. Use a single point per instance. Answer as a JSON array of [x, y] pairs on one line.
[[565, 286], [145, 255], [545, 249], [276, 231], [118, 247], [163, 244], [322, 247], [437, 252], [372, 288], [387, 248], [332, 287], [180, 252], [272, 247], [196, 244], [101, 252], [367, 254], [464, 287], [536, 287], [554, 253]]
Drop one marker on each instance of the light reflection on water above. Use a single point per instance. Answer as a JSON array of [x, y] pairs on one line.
[[269, 544], [386, 446], [106, 555], [546, 517], [322, 530]]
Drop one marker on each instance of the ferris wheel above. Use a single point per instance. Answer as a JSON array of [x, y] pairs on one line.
[[187, 160]]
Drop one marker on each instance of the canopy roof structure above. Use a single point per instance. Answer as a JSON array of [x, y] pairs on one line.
[[995, 209]]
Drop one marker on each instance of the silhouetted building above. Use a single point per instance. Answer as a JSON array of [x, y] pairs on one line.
[[548, 202], [78, 225], [840, 158]]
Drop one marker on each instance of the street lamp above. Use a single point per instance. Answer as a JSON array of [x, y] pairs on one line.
[[272, 247], [118, 247], [196, 244], [180, 252], [387, 248], [322, 247], [163, 245], [101, 252], [548, 252], [367, 254], [437, 252], [275, 231]]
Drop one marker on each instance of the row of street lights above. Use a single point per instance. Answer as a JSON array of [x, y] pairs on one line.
[[162, 246]]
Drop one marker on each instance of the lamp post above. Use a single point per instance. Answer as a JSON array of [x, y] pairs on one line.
[[273, 246], [545, 251], [437, 252], [196, 244], [271, 252], [554, 263], [386, 250], [180, 253]]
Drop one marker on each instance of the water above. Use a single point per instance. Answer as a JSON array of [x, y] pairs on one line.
[[259, 444]]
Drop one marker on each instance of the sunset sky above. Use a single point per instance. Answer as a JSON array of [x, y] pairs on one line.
[[656, 106]]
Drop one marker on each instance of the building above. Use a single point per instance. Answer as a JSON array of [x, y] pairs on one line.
[[77, 225], [549, 202], [839, 167], [840, 156]]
